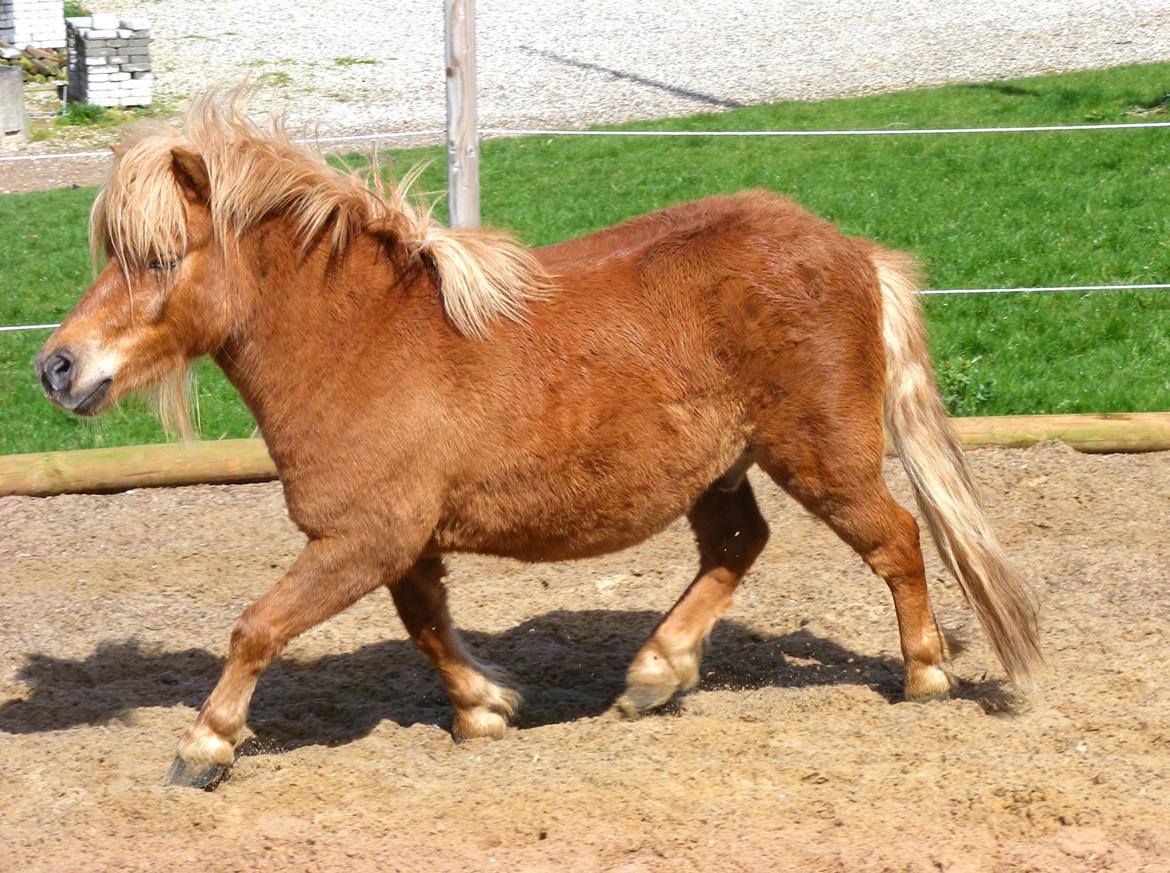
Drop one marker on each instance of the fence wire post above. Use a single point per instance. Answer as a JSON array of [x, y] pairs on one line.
[[462, 133]]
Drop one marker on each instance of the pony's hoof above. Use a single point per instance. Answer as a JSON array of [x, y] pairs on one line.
[[654, 678], [187, 775], [640, 699], [479, 721], [490, 716], [930, 683]]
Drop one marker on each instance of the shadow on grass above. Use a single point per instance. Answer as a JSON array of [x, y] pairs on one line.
[[1005, 88], [569, 665]]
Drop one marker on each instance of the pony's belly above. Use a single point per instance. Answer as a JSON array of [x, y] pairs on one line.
[[574, 512], [538, 545]]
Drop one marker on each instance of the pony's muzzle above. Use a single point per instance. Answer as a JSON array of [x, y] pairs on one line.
[[58, 374]]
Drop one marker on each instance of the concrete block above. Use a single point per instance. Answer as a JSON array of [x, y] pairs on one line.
[[104, 21]]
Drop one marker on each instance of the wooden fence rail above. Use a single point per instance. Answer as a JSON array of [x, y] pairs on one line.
[[234, 461]]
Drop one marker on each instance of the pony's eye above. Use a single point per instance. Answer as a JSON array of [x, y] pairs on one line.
[[164, 266]]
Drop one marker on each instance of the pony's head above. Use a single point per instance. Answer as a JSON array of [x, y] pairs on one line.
[[174, 221], [151, 308]]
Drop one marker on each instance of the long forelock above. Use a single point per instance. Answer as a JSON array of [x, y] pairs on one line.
[[139, 215]]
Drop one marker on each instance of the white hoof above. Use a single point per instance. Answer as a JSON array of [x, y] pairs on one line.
[[929, 683]]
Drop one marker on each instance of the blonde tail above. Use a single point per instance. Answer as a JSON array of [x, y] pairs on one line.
[[922, 436]]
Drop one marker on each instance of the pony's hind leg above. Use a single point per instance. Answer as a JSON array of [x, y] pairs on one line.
[[840, 481], [483, 703], [731, 533]]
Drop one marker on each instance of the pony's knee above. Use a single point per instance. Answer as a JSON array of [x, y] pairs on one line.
[[748, 541], [730, 530], [756, 533]]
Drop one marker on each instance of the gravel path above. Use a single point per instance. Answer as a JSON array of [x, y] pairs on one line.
[[612, 60], [338, 68]]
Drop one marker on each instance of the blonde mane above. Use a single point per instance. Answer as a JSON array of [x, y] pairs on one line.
[[140, 215]]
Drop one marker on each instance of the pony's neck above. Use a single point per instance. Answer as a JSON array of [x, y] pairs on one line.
[[315, 331]]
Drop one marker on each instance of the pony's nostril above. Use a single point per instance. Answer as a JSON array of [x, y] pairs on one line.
[[57, 373]]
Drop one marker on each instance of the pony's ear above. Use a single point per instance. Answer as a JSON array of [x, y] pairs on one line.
[[191, 174]]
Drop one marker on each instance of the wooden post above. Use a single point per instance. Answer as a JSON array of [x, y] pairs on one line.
[[462, 125], [13, 120]]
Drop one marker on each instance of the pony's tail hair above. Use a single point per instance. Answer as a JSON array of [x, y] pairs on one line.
[[1004, 604]]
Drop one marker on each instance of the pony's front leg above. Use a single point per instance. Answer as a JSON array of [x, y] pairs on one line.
[[328, 576]]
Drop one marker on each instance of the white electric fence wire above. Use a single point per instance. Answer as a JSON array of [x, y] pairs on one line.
[[515, 131], [930, 292], [507, 131], [885, 131]]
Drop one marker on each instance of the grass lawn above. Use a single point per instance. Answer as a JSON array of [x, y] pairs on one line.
[[978, 210]]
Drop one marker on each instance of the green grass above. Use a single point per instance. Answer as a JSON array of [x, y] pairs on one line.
[[978, 210], [279, 79], [78, 114]]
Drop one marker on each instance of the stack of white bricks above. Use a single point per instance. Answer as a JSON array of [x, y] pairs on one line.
[[109, 60], [39, 23]]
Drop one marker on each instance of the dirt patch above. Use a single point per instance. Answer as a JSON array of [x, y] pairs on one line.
[[794, 749]]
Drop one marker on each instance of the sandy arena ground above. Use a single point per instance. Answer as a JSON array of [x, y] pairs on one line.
[[794, 751]]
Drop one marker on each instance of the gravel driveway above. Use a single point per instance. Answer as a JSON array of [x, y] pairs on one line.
[[359, 67], [365, 66]]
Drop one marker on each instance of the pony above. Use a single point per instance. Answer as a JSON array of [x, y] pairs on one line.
[[425, 390]]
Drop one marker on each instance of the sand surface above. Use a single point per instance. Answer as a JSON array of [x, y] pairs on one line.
[[794, 751]]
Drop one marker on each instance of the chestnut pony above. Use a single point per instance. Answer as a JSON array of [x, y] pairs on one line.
[[425, 390]]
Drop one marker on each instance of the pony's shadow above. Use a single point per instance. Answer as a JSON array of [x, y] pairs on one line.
[[569, 665]]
